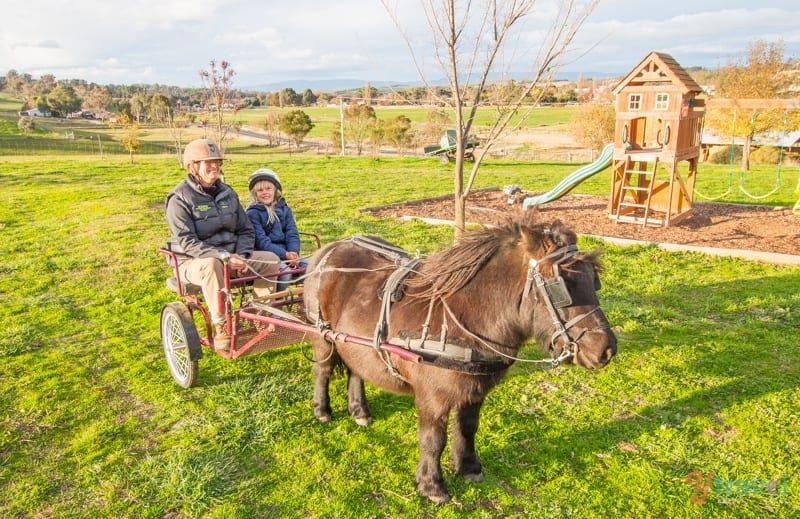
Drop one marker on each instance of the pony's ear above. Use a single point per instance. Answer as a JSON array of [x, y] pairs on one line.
[[563, 235], [532, 238]]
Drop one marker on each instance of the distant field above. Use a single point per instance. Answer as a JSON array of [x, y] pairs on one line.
[[325, 119]]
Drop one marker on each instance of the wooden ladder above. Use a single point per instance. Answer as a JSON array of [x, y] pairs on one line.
[[645, 180]]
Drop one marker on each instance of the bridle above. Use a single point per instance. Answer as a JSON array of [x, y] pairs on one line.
[[555, 295]]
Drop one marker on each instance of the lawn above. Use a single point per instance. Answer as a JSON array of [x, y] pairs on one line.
[[695, 417]]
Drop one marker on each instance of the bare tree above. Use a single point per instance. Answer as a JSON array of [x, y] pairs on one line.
[[470, 38], [218, 79], [177, 121]]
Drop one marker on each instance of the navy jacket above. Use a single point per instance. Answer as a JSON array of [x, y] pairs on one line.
[[280, 237]]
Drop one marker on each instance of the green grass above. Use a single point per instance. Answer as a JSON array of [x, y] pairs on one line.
[[91, 425], [325, 118]]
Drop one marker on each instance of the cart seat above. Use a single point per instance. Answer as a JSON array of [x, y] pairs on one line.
[[188, 288]]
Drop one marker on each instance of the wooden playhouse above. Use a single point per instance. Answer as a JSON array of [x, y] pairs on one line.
[[656, 143]]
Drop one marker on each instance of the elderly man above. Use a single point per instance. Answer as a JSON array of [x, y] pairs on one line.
[[208, 226]]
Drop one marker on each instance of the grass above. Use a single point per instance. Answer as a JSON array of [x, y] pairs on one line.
[[706, 380]]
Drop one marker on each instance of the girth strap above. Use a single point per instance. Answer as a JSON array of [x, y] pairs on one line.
[[389, 289]]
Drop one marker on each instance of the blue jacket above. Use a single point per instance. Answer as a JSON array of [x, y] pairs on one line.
[[280, 237]]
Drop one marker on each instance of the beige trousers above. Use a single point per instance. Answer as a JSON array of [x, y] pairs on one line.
[[208, 274]]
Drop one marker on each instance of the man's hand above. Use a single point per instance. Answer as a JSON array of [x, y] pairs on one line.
[[238, 263]]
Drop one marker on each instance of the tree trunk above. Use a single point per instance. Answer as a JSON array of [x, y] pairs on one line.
[[459, 197], [746, 153]]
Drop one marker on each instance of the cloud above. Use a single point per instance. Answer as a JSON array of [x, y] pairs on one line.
[[169, 41]]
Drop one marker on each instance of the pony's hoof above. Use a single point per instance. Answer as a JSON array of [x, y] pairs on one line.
[[437, 494], [363, 422], [475, 478], [439, 499], [323, 418]]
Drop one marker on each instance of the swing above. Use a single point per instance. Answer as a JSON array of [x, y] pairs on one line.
[[780, 165], [730, 163]]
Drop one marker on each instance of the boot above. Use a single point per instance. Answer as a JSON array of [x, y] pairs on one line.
[[222, 339]]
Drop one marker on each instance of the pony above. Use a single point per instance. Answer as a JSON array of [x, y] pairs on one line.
[[446, 328]]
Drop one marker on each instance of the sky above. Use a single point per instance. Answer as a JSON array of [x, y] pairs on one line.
[[267, 41]]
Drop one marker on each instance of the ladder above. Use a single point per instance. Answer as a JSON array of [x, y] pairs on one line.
[[645, 180]]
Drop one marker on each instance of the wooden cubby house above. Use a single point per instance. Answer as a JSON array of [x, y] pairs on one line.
[[656, 143]]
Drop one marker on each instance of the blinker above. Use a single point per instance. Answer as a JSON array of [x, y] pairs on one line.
[[557, 291]]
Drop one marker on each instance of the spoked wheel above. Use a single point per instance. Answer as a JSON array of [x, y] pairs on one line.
[[181, 343]]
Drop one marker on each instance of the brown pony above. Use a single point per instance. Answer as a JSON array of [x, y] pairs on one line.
[[446, 329]]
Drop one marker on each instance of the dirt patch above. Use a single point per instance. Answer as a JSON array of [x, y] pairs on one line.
[[729, 226]]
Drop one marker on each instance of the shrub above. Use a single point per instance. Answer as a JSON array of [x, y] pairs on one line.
[[766, 156], [722, 155]]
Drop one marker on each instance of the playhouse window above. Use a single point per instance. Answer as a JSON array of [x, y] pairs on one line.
[[662, 101], [635, 102]]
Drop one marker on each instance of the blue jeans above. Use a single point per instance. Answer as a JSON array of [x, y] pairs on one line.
[[284, 279]]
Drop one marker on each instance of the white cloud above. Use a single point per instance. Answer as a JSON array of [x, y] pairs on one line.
[[166, 42]]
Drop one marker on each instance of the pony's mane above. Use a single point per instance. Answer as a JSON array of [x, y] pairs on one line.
[[449, 270]]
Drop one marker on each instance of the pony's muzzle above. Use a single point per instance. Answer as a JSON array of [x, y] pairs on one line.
[[596, 348]]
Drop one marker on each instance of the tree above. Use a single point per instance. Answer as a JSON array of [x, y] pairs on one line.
[[44, 85], [98, 99], [593, 125], [358, 122], [130, 140], [271, 128], [62, 99], [397, 132], [26, 124], [296, 124], [218, 81], [309, 98], [177, 121], [469, 46], [160, 108], [377, 136], [139, 104], [760, 75], [288, 97]]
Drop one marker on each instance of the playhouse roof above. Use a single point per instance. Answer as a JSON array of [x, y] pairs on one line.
[[658, 67]]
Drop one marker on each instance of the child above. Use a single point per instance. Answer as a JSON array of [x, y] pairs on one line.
[[273, 221]]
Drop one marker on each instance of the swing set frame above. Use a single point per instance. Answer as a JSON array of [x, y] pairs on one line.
[[736, 104]]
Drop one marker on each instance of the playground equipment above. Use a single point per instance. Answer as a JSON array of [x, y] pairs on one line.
[[783, 143], [658, 127], [573, 179], [446, 149]]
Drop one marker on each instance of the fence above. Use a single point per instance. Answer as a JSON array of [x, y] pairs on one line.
[[78, 146]]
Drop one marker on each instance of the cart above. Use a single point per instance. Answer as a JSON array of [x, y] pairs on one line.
[[446, 149], [255, 324]]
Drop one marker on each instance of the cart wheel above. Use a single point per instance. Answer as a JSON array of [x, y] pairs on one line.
[[181, 343], [444, 159]]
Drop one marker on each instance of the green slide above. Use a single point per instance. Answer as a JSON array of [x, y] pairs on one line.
[[573, 179]]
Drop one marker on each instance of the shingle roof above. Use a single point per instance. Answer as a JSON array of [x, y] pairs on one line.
[[658, 67]]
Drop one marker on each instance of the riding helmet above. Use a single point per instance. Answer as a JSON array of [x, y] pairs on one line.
[[200, 150], [264, 174]]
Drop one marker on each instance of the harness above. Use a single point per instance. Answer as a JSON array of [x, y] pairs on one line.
[[556, 295], [453, 354]]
